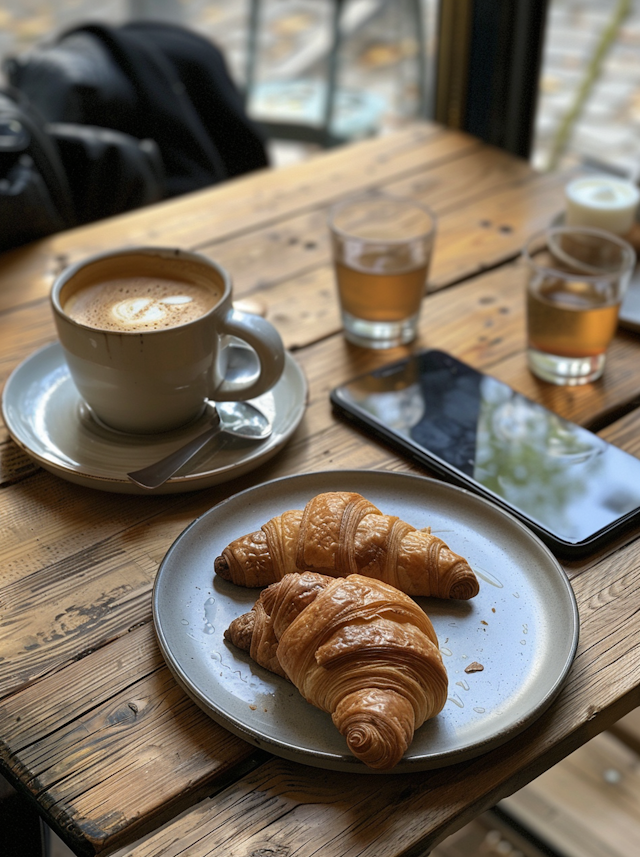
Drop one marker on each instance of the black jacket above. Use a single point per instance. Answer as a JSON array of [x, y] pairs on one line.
[[137, 112]]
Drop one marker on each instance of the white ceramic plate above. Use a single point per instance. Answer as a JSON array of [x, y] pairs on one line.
[[45, 415], [522, 626]]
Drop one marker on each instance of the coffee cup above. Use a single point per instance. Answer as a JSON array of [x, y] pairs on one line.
[[145, 332]]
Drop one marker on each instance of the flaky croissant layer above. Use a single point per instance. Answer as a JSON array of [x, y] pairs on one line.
[[355, 647], [340, 533]]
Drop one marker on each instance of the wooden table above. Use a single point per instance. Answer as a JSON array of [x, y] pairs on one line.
[[93, 727]]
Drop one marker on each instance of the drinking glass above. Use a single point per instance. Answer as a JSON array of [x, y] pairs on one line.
[[382, 247], [577, 279]]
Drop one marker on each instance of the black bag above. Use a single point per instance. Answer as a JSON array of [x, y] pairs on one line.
[[55, 176], [35, 199], [151, 81], [108, 172], [106, 119]]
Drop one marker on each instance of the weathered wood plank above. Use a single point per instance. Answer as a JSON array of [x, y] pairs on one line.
[[46, 623], [107, 566], [127, 536], [625, 433], [110, 726], [299, 241], [479, 235], [281, 805], [232, 207], [69, 589], [287, 264], [108, 743], [15, 464], [80, 756], [449, 171], [482, 323]]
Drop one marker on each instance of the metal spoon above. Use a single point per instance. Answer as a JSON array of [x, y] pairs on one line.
[[238, 419]]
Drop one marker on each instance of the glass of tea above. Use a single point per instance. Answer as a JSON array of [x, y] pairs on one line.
[[576, 281], [382, 247]]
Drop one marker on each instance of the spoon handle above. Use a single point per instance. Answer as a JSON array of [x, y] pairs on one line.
[[157, 474]]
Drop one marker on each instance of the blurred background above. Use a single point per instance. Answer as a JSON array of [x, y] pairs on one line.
[[588, 104], [581, 61]]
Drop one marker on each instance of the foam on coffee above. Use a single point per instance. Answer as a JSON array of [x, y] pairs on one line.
[[139, 303]]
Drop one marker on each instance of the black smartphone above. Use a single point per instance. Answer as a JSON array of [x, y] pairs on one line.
[[568, 485]]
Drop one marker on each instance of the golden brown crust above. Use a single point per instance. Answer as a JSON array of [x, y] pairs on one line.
[[259, 631], [240, 631], [340, 533], [357, 648]]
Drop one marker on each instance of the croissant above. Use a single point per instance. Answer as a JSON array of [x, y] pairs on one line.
[[354, 647], [341, 533]]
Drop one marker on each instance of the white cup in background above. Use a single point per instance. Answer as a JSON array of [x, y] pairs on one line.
[[602, 202]]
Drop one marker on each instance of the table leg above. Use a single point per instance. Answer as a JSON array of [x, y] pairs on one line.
[[22, 833]]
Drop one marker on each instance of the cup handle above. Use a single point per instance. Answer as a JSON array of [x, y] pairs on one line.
[[265, 340]]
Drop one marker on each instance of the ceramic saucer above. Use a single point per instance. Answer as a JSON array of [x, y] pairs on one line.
[[46, 417]]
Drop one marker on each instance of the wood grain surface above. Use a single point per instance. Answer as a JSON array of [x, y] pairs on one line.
[[92, 726]]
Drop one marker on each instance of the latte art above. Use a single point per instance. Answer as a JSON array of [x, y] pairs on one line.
[[140, 303], [150, 311]]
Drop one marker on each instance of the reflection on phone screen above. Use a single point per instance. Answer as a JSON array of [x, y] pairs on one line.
[[559, 475]]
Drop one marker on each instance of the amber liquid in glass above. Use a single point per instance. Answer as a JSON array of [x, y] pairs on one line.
[[389, 296], [570, 319]]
